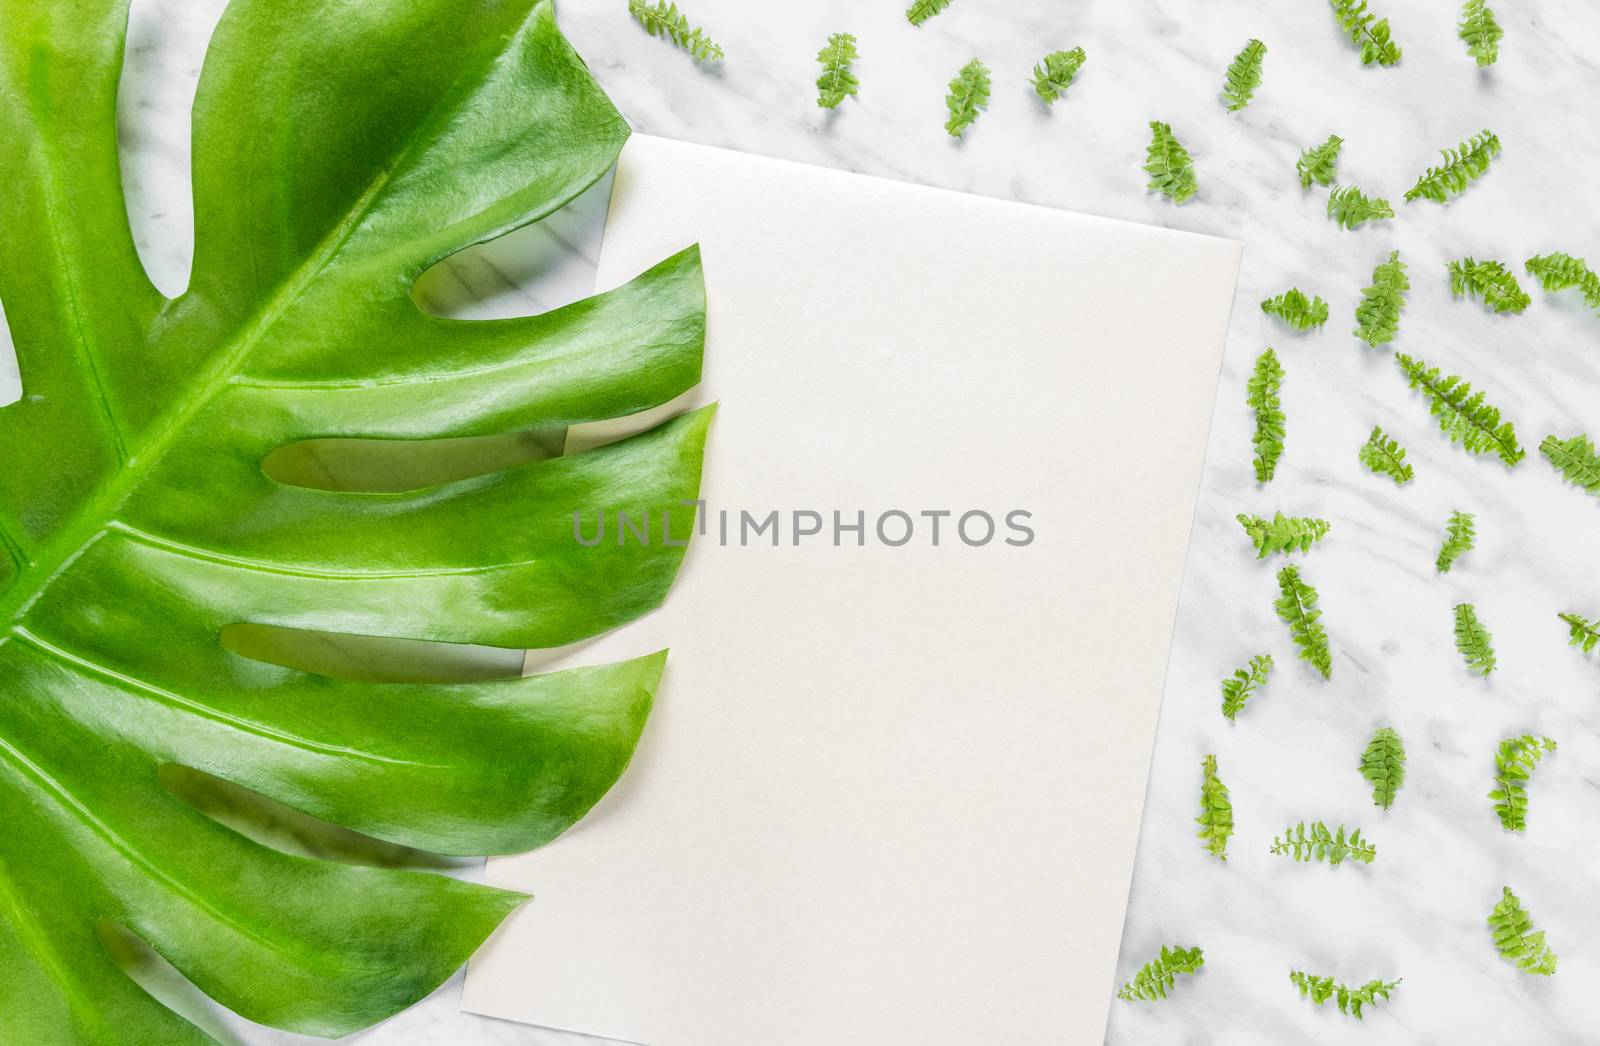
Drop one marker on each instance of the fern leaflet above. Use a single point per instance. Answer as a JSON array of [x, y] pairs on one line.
[[1216, 812], [922, 10], [1378, 315], [1383, 764], [1155, 978], [1384, 457], [1319, 163], [1315, 841], [1513, 766], [1489, 280], [1474, 641], [1351, 207], [1371, 36], [1168, 164], [1283, 533], [1349, 1000], [1462, 166], [1297, 606], [1558, 270], [1297, 310], [1581, 632], [1480, 31], [838, 80], [969, 96], [1244, 76], [1576, 460], [664, 20], [1055, 73], [1515, 938], [1459, 534], [1463, 415], [1261, 394], [1243, 684]]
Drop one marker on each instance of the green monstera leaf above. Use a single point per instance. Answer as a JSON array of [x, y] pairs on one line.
[[162, 591]]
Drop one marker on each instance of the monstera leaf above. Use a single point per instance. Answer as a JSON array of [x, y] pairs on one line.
[[162, 590]]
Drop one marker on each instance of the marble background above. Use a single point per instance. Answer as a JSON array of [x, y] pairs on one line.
[[1418, 913]]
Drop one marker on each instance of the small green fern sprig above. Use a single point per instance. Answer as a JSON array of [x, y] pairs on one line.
[[1480, 31], [1244, 76], [1155, 978], [1474, 641], [1297, 310], [922, 10], [1319, 163], [1581, 632], [1297, 606], [663, 20], [1378, 315], [1282, 533], [968, 97], [1462, 166], [1490, 281], [838, 80], [1244, 684], [1261, 395], [1515, 938], [1371, 36], [1351, 207], [1558, 270], [1055, 73], [1460, 533], [1576, 460], [1349, 1000], [1168, 164], [1513, 766], [1384, 457], [1216, 812], [1463, 415], [1315, 841], [1383, 764]]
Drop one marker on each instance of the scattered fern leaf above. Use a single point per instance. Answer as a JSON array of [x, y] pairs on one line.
[[1513, 766], [1462, 166], [1297, 310], [1515, 938], [1297, 606], [1558, 270], [1351, 207], [1055, 73], [1463, 415], [1319, 163], [1383, 764], [1378, 315], [1216, 812], [1460, 532], [1349, 1000], [1581, 632], [1384, 457], [1315, 841], [1168, 164], [663, 20], [1490, 281], [838, 80], [1480, 31], [1261, 394], [968, 97], [1244, 76], [1576, 459], [1371, 36], [1155, 978], [1282, 533], [1244, 683], [922, 10], [1474, 641]]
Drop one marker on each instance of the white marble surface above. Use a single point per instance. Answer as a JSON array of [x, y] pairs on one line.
[[1418, 913]]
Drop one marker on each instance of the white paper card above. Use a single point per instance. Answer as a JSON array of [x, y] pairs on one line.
[[888, 794]]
